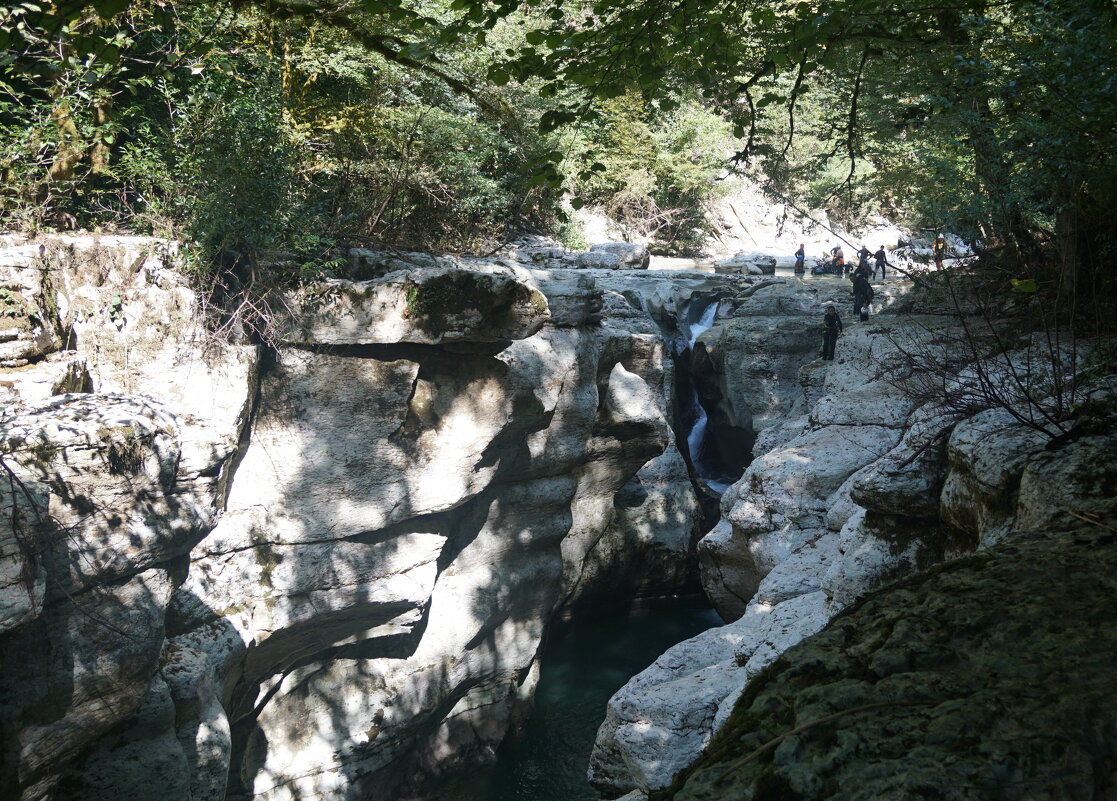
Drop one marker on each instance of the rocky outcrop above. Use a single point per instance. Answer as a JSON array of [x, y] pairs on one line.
[[990, 677], [338, 560], [428, 305], [112, 491], [862, 488], [747, 264]]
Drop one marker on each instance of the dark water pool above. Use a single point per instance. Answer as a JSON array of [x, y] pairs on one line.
[[583, 665]]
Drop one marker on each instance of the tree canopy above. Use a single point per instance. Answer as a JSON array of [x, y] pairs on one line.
[[993, 119]]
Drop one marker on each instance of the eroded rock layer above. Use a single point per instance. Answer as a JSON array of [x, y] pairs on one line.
[[322, 571], [863, 483]]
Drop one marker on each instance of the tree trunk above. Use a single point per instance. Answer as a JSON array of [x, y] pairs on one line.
[[1004, 222]]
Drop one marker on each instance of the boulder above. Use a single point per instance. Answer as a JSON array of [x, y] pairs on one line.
[[80, 668], [427, 305], [130, 484], [747, 264], [628, 256], [987, 455]]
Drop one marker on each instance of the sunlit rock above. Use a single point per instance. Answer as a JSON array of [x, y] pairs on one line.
[[425, 305]]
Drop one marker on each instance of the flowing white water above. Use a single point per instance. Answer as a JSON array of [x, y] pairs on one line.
[[697, 434]]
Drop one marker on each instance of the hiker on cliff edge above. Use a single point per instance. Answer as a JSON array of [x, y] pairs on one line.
[[831, 327]]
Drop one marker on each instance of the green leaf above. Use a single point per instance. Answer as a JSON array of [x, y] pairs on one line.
[[576, 203], [107, 9], [1026, 286]]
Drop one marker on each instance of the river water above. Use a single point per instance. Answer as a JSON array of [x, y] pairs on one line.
[[583, 664]]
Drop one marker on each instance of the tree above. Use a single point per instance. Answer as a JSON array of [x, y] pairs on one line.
[[1000, 115]]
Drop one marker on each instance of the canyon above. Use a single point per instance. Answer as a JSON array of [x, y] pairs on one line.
[[323, 566]]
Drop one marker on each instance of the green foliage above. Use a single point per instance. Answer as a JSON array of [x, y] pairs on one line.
[[13, 306], [249, 134], [572, 235], [440, 124], [246, 135], [994, 120], [651, 170]]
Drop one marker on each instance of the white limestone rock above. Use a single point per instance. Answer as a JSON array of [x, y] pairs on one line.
[[616, 256], [877, 402], [92, 658], [867, 559], [987, 455], [124, 494], [144, 761], [660, 721], [22, 573], [293, 600], [779, 505], [748, 263], [427, 305], [801, 573]]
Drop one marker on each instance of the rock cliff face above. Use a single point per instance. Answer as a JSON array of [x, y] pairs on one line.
[[322, 571], [855, 486], [987, 678]]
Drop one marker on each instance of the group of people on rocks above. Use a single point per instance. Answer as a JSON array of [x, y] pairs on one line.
[[863, 295], [862, 290]]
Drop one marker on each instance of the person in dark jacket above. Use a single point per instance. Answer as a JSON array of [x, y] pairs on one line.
[[831, 327], [800, 255], [862, 296], [863, 270], [939, 251], [882, 262], [863, 256]]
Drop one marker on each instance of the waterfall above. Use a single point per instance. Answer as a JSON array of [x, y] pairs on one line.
[[696, 436]]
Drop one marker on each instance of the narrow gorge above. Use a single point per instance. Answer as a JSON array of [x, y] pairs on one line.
[[328, 569]]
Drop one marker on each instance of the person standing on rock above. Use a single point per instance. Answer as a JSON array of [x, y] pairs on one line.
[[863, 257], [800, 256], [939, 251], [862, 296], [839, 257], [882, 262], [831, 327]]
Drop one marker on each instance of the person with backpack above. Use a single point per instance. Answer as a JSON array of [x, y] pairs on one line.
[[863, 256], [862, 296], [831, 327], [882, 262], [839, 258], [863, 270]]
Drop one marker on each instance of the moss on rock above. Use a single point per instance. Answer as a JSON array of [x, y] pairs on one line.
[[987, 678]]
